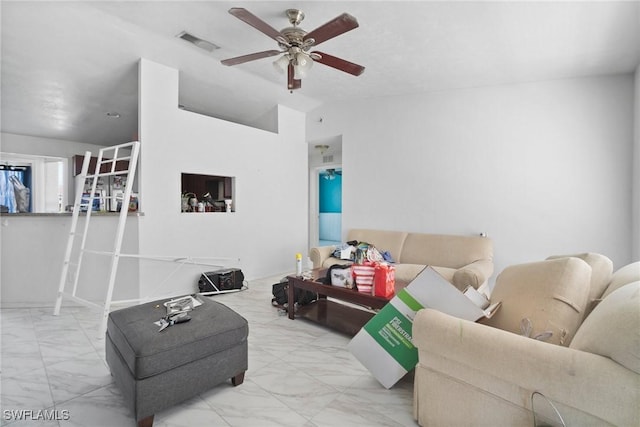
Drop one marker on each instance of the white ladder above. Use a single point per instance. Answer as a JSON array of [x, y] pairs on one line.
[[110, 157]]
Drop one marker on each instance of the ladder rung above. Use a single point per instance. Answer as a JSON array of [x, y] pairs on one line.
[[81, 300], [119, 159], [108, 174], [93, 251]]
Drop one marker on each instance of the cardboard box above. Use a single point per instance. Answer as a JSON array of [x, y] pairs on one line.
[[384, 345]]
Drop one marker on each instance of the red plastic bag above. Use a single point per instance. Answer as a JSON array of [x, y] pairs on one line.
[[385, 281]]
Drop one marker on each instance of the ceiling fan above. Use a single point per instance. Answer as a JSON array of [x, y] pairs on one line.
[[295, 43], [331, 174]]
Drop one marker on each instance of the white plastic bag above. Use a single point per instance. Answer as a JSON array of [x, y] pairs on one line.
[[21, 194]]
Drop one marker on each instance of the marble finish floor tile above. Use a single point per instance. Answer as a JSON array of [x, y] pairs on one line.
[[104, 406], [28, 391], [77, 376], [193, 412], [251, 405], [300, 374]]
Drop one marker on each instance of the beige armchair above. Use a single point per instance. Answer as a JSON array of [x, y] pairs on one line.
[[472, 374]]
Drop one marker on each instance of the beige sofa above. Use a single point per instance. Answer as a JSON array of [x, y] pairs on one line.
[[475, 374], [462, 260]]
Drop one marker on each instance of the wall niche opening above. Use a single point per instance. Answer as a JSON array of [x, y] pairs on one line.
[[207, 193]]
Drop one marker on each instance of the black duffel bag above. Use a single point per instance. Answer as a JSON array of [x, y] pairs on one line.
[[280, 292]]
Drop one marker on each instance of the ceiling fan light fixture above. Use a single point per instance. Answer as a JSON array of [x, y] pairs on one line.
[[302, 64], [281, 64], [321, 148], [329, 174]]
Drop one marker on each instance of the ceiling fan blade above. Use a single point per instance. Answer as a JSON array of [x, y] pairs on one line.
[[250, 57], [291, 82], [339, 64], [257, 23], [333, 28]]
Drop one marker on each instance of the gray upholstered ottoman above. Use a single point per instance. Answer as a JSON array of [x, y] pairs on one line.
[[156, 370]]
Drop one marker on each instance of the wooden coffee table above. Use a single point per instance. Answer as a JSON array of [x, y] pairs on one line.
[[336, 315]]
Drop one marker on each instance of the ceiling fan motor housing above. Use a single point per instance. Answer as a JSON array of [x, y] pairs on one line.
[[295, 16], [295, 37]]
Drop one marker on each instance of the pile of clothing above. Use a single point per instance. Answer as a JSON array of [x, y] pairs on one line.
[[359, 252]]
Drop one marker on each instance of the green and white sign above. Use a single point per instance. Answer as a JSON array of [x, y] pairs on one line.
[[391, 329], [384, 345]]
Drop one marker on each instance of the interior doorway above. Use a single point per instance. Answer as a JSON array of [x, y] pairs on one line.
[[325, 170], [329, 206]]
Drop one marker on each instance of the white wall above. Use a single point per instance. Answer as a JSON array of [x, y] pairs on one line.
[[33, 250], [543, 168], [268, 228], [269, 225]]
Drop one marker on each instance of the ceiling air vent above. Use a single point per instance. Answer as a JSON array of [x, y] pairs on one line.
[[197, 41], [327, 159]]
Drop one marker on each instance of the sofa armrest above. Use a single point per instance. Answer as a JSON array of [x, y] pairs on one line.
[[511, 367], [319, 254], [473, 274]]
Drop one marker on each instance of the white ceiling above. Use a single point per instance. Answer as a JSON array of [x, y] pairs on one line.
[[66, 64]]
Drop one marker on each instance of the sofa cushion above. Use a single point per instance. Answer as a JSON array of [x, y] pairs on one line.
[[601, 270], [475, 275], [446, 272], [613, 328], [624, 275], [391, 241], [445, 250], [405, 273], [552, 294]]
